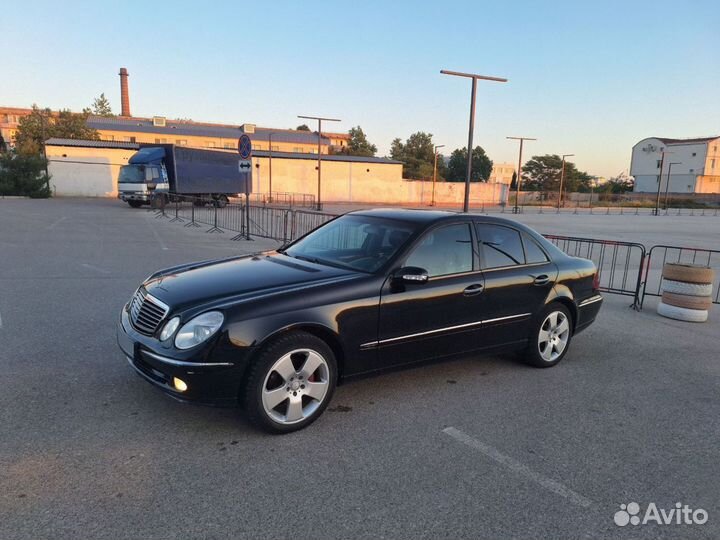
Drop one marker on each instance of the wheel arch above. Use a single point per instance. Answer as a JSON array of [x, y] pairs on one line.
[[562, 295]]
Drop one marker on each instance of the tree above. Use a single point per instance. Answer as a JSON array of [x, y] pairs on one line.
[[23, 175], [618, 184], [417, 155], [100, 107], [481, 165], [302, 127], [542, 173], [42, 124], [358, 145]]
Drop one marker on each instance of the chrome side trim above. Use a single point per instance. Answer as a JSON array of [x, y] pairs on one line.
[[373, 344], [181, 363], [591, 300], [498, 319]]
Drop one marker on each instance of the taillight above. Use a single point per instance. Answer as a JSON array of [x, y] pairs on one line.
[[596, 281]]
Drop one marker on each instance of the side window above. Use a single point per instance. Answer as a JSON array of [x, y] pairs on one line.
[[533, 252], [444, 251], [499, 246]]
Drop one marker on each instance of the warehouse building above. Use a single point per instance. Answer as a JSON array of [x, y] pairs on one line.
[[688, 165]]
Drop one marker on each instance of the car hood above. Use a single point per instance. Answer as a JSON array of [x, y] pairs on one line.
[[239, 278]]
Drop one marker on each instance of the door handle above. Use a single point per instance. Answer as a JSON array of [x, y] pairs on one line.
[[542, 279], [474, 289]]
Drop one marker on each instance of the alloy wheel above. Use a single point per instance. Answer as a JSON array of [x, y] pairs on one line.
[[295, 386], [553, 336]]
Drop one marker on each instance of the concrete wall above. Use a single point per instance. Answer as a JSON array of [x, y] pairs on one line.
[[93, 172], [85, 172], [364, 183]]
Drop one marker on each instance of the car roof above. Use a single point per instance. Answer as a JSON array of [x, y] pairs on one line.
[[433, 216]]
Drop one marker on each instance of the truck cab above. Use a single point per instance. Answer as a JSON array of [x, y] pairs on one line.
[[144, 175]]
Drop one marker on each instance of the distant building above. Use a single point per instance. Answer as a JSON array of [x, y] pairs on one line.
[[502, 173], [695, 165]]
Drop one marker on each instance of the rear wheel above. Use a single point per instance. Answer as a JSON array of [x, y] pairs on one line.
[[221, 201], [551, 337], [290, 383]]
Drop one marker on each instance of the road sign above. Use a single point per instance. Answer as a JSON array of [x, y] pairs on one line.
[[244, 147], [245, 165]]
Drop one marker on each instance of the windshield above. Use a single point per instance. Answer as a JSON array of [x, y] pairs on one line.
[[132, 174], [358, 242]]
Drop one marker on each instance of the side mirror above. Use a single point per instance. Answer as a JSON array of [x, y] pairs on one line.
[[412, 274]]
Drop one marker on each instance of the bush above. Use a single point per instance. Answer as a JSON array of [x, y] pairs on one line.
[[23, 175]]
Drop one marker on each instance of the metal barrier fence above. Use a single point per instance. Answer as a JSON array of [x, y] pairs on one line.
[[281, 224], [277, 198], [659, 255], [619, 264]]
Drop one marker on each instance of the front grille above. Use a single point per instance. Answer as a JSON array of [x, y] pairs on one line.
[[146, 312]]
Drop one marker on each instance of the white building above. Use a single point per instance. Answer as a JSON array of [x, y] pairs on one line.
[[693, 165], [502, 173]]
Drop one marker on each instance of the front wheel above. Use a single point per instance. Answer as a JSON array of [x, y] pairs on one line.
[[135, 204], [551, 337], [290, 383]]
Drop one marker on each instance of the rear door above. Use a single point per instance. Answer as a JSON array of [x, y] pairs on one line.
[[519, 275]]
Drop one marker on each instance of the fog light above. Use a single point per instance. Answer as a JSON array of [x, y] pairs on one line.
[[180, 385]]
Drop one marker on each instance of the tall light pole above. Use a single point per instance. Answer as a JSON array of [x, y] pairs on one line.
[[319, 119], [662, 162], [474, 77], [667, 184], [519, 169], [562, 178], [435, 172], [270, 136]]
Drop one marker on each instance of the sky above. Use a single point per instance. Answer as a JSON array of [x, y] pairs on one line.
[[585, 78]]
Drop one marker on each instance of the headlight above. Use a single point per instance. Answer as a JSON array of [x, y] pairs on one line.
[[198, 329], [170, 328]]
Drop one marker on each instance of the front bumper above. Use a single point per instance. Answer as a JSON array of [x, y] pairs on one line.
[[134, 196], [214, 379]]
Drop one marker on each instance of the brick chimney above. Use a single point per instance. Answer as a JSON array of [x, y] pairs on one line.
[[124, 93]]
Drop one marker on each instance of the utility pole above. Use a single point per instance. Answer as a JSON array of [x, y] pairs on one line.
[[435, 172], [319, 119], [662, 162], [474, 77], [667, 184], [519, 170], [562, 178]]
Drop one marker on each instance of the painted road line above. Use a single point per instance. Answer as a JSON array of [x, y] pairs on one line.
[[518, 468]]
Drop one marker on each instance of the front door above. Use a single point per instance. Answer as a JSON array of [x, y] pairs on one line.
[[442, 316]]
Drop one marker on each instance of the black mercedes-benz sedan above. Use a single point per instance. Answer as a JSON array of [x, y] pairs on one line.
[[368, 291]]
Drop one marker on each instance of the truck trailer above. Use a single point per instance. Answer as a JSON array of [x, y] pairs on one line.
[[164, 171]]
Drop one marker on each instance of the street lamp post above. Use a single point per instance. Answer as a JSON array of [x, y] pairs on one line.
[[432, 203], [474, 77], [270, 136], [519, 170], [319, 119], [562, 178], [667, 184], [662, 162]]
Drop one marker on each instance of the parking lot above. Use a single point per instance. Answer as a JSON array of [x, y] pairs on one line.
[[470, 448]]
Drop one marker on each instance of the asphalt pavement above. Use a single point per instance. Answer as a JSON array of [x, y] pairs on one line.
[[480, 447]]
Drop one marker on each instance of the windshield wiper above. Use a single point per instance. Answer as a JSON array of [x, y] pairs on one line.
[[315, 260]]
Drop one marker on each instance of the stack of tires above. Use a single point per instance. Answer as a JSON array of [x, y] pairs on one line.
[[686, 292]]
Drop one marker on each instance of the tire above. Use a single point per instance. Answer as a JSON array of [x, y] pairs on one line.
[[688, 289], [221, 201], [277, 396], [681, 314], [688, 273], [689, 302], [559, 334], [135, 204]]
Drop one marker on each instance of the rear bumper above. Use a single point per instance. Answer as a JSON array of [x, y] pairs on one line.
[[216, 380], [588, 310]]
